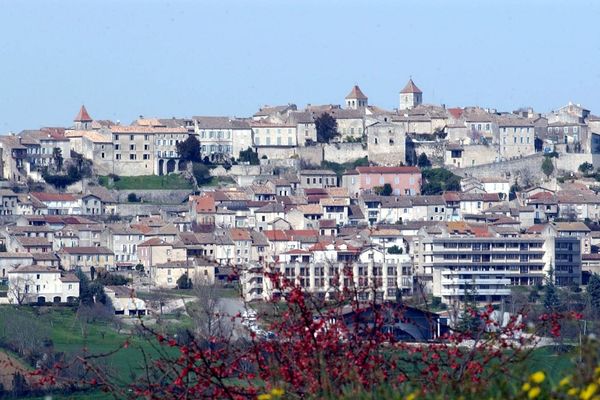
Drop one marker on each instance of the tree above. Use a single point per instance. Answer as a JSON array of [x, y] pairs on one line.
[[423, 161], [189, 149], [326, 127], [184, 282], [57, 158], [395, 249], [20, 290], [551, 299], [593, 292], [439, 180], [249, 156], [201, 173], [586, 168], [207, 312], [387, 190], [547, 167], [133, 198], [139, 268]]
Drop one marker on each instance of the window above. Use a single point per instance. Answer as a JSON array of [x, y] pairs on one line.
[[146, 147], [575, 129], [130, 137], [146, 137], [132, 147], [116, 137], [146, 156], [132, 157], [102, 155], [117, 156], [117, 147], [37, 276]]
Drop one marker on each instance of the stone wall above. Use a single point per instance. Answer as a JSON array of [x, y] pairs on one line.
[[127, 210], [508, 169], [570, 162], [344, 152], [155, 196], [311, 154]]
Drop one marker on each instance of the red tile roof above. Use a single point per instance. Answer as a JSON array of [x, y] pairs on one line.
[[356, 93], [82, 115], [43, 196], [411, 88]]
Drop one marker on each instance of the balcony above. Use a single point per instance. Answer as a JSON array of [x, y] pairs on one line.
[[480, 292], [475, 282]]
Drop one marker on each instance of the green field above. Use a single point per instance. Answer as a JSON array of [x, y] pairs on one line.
[[67, 335], [147, 182]]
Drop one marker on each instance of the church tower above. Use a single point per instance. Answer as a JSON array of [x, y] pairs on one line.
[[356, 99], [83, 121], [411, 96]]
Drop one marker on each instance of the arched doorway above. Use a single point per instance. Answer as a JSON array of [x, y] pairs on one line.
[[41, 300], [181, 166], [56, 300], [170, 166], [161, 165]]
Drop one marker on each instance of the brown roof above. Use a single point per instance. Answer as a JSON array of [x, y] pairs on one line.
[[33, 268], [43, 196], [356, 93], [153, 242], [86, 250], [411, 88], [82, 115]]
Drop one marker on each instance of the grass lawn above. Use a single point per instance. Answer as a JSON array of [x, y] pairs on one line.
[[101, 338], [147, 182]]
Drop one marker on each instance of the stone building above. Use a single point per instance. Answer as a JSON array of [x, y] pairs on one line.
[[356, 99], [386, 143], [411, 96], [222, 138]]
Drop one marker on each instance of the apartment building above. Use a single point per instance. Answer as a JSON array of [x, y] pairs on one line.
[[459, 259]]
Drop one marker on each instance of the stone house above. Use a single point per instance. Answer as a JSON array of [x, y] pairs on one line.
[[410, 96], [86, 258], [157, 251], [386, 143], [124, 301], [516, 137], [8, 202], [317, 178], [222, 138]]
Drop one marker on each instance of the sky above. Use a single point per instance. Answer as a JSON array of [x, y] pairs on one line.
[[162, 59]]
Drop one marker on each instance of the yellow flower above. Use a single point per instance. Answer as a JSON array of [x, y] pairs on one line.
[[526, 386], [265, 396], [589, 391], [277, 392], [538, 377], [534, 392], [412, 396], [597, 370], [573, 391], [565, 381]]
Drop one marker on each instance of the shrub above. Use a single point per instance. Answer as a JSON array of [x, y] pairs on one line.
[[133, 198]]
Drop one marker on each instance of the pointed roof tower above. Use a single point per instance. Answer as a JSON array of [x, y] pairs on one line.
[[411, 87], [83, 115], [356, 93]]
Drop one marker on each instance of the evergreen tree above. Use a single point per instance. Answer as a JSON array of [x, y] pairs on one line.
[[593, 292], [189, 149], [551, 299], [547, 166], [423, 161], [469, 321], [326, 127]]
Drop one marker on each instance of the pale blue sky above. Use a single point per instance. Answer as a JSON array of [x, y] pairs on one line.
[[182, 58]]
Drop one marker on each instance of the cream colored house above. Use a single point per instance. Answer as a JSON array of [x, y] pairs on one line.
[[86, 258], [165, 275], [124, 301], [156, 251], [40, 284]]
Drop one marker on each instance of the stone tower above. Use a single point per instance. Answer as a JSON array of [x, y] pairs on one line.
[[83, 121], [411, 96], [356, 99]]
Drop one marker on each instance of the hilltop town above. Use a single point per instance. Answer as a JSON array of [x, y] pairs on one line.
[[419, 198]]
